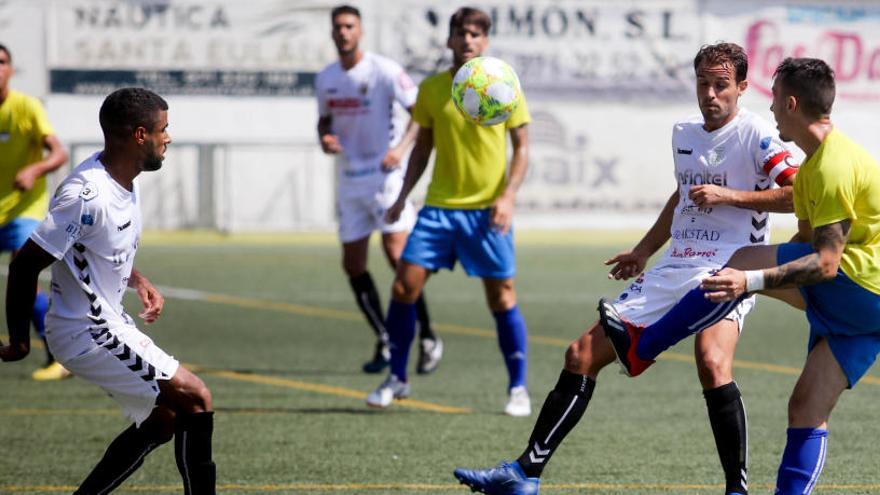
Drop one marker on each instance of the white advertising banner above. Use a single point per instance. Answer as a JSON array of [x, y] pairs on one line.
[[262, 47]]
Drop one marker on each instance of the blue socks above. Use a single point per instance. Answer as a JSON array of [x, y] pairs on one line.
[[690, 315], [802, 461], [38, 318], [401, 327], [512, 339]]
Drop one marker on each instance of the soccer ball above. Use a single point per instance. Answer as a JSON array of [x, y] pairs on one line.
[[486, 90]]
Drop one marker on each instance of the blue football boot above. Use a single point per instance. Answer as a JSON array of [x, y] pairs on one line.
[[507, 478]]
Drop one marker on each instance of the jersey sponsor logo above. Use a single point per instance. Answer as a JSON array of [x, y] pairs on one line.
[[682, 151], [73, 230], [696, 235], [124, 226], [765, 142], [87, 219], [692, 210], [344, 103], [89, 191], [693, 253], [691, 178]]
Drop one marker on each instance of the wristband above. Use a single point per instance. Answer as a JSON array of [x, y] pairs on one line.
[[754, 280]]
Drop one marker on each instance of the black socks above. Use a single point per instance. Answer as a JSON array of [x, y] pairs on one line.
[[124, 455], [192, 451], [727, 415], [562, 410], [368, 300]]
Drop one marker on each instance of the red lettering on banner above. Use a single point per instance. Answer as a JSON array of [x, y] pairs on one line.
[[855, 64]]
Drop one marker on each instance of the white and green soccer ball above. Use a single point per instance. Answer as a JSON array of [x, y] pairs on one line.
[[486, 90]]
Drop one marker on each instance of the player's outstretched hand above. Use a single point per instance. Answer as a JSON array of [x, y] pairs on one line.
[[392, 159], [14, 352], [392, 214], [726, 285], [330, 144], [150, 297], [711, 195], [501, 215], [627, 264]]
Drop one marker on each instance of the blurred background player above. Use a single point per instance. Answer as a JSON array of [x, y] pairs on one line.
[[25, 132], [467, 215], [356, 96], [725, 161], [90, 237]]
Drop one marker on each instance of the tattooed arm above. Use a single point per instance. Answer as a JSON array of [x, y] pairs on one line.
[[819, 266], [829, 242]]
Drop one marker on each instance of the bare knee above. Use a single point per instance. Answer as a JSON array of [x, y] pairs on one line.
[[401, 291], [500, 294], [714, 370], [187, 393], [586, 357]]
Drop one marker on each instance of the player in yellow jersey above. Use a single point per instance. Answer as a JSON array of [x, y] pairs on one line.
[[25, 133], [467, 215]]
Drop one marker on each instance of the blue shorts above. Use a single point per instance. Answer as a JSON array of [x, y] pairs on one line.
[[442, 236], [843, 313], [14, 234]]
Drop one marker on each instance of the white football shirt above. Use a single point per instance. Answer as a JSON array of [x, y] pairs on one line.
[[746, 154], [361, 103], [93, 227]]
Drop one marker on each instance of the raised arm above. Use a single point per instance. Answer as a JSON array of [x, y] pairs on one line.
[[418, 162], [632, 262], [502, 210], [21, 290]]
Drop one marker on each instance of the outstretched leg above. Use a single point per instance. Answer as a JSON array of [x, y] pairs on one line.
[[562, 410], [127, 452]]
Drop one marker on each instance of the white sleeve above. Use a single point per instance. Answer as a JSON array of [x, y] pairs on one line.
[[405, 90], [73, 215]]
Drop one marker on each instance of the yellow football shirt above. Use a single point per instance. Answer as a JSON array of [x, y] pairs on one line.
[[842, 181], [23, 127], [471, 161]]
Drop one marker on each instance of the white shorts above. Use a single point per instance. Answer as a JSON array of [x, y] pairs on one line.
[[653, 293], [126, 364], [359, 215]]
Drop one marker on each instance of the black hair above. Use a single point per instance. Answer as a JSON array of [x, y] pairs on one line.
[[811, 81], [469, 15], [126, 109], [724, 53], [8, 53], [344, 9]]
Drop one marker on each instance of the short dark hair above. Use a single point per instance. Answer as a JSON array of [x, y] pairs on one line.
[[724, 53], [469, 15], [126, 109], [344, 9], [8, 53], [811, 81]]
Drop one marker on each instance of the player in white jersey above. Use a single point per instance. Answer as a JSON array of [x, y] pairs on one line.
[[725, 163], [90, 237], [356, 98]]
